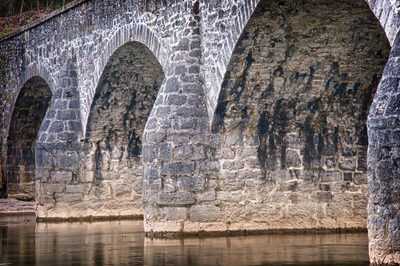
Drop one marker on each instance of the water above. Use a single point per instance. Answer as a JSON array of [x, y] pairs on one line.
[[23, 242]]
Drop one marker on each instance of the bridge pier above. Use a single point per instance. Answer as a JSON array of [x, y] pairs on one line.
[[384, 167], [179, 165]]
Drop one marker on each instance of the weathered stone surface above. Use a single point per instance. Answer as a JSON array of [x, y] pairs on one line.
[[286, 97], [205, 213], [175, 198]]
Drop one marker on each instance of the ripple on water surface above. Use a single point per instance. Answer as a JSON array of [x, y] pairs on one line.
[[23, 242]]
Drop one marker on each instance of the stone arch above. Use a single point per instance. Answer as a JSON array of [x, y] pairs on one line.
[[134, 32], [37, 69], [232, 18], [387, 12], [28, 113], [125, 95], [291, 115]]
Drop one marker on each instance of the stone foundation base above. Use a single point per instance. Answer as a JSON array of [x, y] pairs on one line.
[[186, 228], [64, 213]]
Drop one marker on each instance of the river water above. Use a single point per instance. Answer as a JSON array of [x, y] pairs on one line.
[[23, 242]]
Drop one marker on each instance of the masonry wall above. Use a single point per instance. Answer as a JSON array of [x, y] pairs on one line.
[[291, 116], [288, 141], [29, 110], [112, 169]]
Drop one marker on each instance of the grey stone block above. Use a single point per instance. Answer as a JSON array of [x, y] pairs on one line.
[[205, 213], [292, 159], [189, 152], [178, 198], [173, 214], [334, 210], [360, 178], [57, 127], [349, 165], [191, 183], [61, 177], [68, 197], [331, 176], [66, 160], [176, 99], [177, 168]]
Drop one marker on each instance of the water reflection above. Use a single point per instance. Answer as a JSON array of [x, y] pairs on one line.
[[123, 243]]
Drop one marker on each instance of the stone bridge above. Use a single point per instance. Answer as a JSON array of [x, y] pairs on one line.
[[209, 117]]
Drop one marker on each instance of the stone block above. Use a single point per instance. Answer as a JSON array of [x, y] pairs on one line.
[[172, 85], [66, 115], [113, 205], [48, 187], [205, 213], [224, 195], [177, 168], [57, 127], [178, 198], [280, 175], [177, 99], [385, 170], [206, 196], [226, 153], [190, 112], [68, 197], [66, 160], [210, 165], [75, 189], [292, 159], [377, 227], [114, 175], [64, 177], [233, 165], [362, 164], [150, 174], [279, 197], [155, 137], [163, 151], [360, 178], [330, 163], [349, 165], [294, 142], [191, 183], [87, 177], [189, 152], [348, 177], [321, 196], [43, 158], [195, 88], [349, 152], [306, 210], [191, 124], [331, 176], [299, 197], [334, 210], [173, 214], [179, 137]]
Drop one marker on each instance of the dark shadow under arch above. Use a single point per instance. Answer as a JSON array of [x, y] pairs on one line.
[[30, 108], [292, 112], [124, 97]]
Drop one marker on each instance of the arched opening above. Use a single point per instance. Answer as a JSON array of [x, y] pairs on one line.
[[292, 115], [29, 110], [124, 97]]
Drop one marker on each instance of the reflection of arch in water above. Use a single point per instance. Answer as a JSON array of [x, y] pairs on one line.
[[292, 115], [29, 111], [124, 98]]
